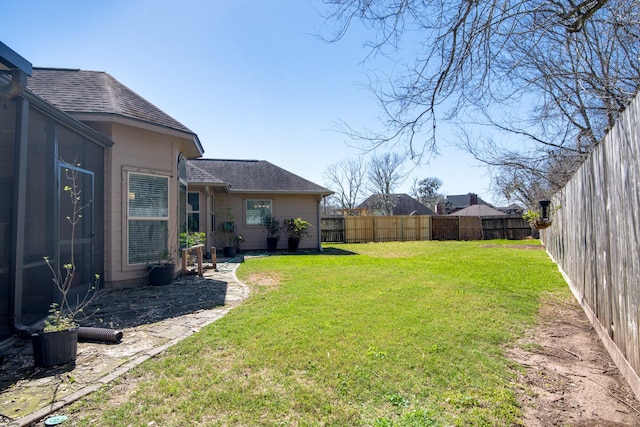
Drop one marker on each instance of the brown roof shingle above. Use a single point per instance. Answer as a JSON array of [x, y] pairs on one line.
[[96, 92], [252, 175]]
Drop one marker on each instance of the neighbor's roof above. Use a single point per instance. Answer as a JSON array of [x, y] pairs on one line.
[[478, 210], [403, 204], [250, 176], [464, 200], [96, 92]]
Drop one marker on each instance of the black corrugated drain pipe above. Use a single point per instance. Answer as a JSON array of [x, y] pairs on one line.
[[99, 334]]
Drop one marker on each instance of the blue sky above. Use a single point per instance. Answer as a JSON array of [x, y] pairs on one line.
[[250, 78]]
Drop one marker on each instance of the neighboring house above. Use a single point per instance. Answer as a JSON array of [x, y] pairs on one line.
[[478, 210], [512, 209], [244, 192], [394, 204], [457, 202]]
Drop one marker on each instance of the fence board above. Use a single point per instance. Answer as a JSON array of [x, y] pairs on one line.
[[445, 228], [332, 229], [359, 229], [363, 229], [595, 238], [506, 227], [470, 228]]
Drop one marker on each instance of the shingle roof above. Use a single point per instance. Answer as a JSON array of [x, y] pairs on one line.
[[96, 92], [250, 176], [464, 200], [195, 174], [403, 204], [478, 210]]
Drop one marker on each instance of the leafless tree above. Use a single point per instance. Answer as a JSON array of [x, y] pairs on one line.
[[552, 74], [384, 174], [346, 179]]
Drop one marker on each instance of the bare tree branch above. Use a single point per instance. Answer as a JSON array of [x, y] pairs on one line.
[[564, 69]]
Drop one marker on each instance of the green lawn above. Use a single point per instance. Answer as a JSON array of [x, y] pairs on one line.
[[387, 334]]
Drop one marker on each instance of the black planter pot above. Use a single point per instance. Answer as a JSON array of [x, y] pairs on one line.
[[54, 348], [229, 251], [293, 243], [272, 244], [161, 275]]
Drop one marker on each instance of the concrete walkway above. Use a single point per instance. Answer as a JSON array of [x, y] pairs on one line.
[[152, 319]]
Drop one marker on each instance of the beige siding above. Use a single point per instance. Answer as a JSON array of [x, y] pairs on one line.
[[284, 206], [144, 151]]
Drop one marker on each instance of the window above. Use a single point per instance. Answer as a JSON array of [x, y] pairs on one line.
[[182, 198], [257, 210], [148, 214], [193, 212]]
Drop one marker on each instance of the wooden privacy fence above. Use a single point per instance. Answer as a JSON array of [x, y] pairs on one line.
[[332, 229], [364, 229], [595, 239]]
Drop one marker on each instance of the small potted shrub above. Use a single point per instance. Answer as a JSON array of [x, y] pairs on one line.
[[229, 238], [162, 271], [295, 228], [228, 230], [57, 343], [543, 219], [273, 226]]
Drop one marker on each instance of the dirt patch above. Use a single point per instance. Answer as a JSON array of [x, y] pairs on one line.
[[263, 281], [525, 247], [567, 376]]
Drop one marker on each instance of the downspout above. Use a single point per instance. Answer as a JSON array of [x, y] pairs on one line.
[[11, 90], [17, 85]]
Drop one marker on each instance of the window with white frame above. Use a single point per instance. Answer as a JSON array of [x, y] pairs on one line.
[[256, 210], [148, 217], [193, 212]]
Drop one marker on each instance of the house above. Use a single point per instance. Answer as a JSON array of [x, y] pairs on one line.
[[455, 203], [131, 162], [399, 204], [512, 209], [245, 191]]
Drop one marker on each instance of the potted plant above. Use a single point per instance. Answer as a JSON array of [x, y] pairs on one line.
[[228, 229], [162, 271], [542, 219], [295, 228], [57, 343], [273, 227]]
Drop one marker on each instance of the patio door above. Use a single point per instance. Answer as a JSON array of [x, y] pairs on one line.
[[76, 233]]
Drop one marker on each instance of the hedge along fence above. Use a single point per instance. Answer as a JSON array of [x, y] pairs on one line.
[[364, 229], [595, 239]]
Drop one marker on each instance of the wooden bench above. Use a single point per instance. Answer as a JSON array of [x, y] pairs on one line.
[[185, 257]]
